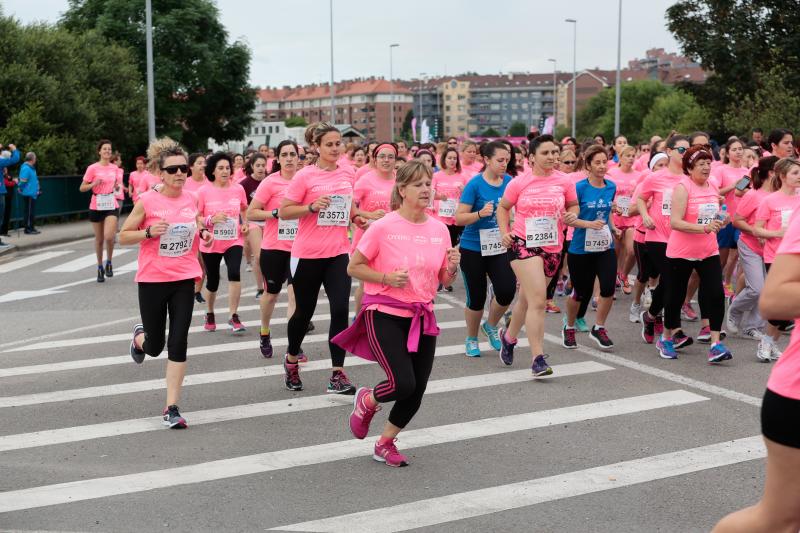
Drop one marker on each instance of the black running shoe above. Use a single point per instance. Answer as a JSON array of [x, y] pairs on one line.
[[681, 340], [137, 353], [101, 274], [109, 270], [339, 384], [173, 418], [310, 327], [198, 297], [291, 373]]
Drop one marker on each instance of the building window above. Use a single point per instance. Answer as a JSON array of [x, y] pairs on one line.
[[523, 95], [513, 95], [447, 108], [462, 96], [461, 108], [447, 97], [496, 95], [495, 107]]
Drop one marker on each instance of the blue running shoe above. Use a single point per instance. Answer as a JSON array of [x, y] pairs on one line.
[[580, 325], [666, 348], [471, 347], [506, 350], [491, 334], [540, 367], [719, 353]]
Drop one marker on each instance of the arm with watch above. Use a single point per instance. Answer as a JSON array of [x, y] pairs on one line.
[[291, 210]]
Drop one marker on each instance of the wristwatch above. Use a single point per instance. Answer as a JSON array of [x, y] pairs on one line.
[[274, 213]]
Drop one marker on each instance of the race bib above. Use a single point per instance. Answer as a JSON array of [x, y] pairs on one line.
[[786, 214], [431, 198], [541, 231], [105, 202], [447, 208], [624, 204], [706, 213], [597, 240], [338, 213], [177, 241], [287, 229], [666, 203], [226, 231], [491, 242]]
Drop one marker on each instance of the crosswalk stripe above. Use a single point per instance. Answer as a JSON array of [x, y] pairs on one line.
[[31, 260], [86, 261], [89, 489], [445, 509], [203, 379], [248, 345], [101, 339], [241, 412]]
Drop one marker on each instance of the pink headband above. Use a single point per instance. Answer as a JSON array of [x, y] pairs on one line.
[[423, 152], [385, 145]]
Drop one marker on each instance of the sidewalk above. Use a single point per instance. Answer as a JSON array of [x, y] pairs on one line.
[[51, 234]]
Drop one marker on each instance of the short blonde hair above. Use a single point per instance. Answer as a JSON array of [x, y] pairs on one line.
[[406, 175]]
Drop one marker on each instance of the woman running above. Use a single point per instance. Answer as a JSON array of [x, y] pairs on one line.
[[321, 196], [223, 204], [534, 245], [164, 224], [255, 170], [448, 184], [591, 252], [197, 179], [482, 253], [725, 177], [396, 325], [626, 179], [471, 164]]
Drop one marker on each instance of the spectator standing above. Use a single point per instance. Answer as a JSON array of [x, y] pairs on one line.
[[8, 158], [29, 189], [10, 184]]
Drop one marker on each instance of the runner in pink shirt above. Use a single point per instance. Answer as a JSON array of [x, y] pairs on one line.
[[135, 176], [359, 157], [695, 218], [448, 184], [255, 170], [321, 197], [165, 225], [238, 168], [196, 180], [779, 508], [223, 205], [277, 239], [102, 180], [401, 259], [626, 179], [471, 164]]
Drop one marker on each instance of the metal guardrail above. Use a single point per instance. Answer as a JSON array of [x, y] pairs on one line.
[[60, 200]]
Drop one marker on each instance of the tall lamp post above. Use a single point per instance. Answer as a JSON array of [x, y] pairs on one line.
[[419, 120], [555, 94], [617, 95], [151, 105], [391, 91], [574, 23], [333, 91]]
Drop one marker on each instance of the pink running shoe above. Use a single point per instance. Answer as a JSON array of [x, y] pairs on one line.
[[387, 453], [211, 323], [362, 415], [688, 312]]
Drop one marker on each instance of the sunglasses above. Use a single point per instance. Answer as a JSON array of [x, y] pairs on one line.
[[703, 146], [302, 157], [681, 149], [174, 169], [568, 162], [646, 150]]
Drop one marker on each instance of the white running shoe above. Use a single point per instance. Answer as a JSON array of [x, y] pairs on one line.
[[776, 352], [635, 312], [731, 324], [752, 334], [647, 297], [764, 351]]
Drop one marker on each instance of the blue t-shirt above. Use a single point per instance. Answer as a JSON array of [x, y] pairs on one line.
[[595, 203], [476, 194]]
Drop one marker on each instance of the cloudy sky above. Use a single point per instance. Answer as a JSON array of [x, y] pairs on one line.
[[290, 39]]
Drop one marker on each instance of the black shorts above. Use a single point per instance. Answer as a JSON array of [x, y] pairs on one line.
[[551, 260], [100, 216], [275, 269], [779, 419]]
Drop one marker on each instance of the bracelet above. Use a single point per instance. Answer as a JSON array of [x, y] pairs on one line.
[[383, 280], [453, 273], [479, 215], [202, 230], [147, 234], [311, 208]]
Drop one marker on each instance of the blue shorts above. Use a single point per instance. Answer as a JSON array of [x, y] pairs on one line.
[[727, 237]]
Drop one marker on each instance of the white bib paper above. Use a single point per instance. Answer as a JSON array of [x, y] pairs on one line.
[[786, 214], [541, 231], [447, 208], [666, 203], [491, 242], [287, 229], [177, 241], [597, 240], [226, 231], [338, 213], [706, 213], [624, 204], [105, 202]]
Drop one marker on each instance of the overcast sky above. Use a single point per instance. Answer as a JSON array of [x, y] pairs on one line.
[[290, 39]]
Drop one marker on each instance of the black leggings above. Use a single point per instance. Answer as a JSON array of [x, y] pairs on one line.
[[308, 275], [777, 323], [407, 372], [275, 269], [551, 287], [233, 262], [657, 251], [475, 268], [645, 269], [711, 296], [155, 301], [584, 268], [455, 234]]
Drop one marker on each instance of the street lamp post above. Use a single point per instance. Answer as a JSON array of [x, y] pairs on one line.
[[151, 105], [555, 94], [617, 96], [421, 77], [391, 92], [333, 90], [574, 23]]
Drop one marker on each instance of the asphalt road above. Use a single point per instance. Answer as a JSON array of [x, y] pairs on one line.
[[621, 441]]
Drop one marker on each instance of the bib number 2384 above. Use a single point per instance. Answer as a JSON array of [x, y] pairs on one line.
[[337, 213], [541, 231]]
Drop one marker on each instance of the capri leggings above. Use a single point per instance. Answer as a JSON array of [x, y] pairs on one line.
[[551, 288], [455, 234], [275, 269], [710, 296], [645, 269], [407, 372], [657, 251], [584, 268], [475, 268], [233, 262], [777, 323], [156, 301], [308, 275]]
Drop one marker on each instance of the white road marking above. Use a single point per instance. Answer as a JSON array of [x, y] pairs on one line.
[[85, 261], [30, 260], [90, 489]]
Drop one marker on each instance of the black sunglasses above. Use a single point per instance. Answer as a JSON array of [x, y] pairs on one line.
[[568, 162], [681, 149], [174, 169]]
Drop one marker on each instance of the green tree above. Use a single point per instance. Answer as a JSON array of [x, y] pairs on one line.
[[635, 102], [295, 122], [676, 110], [775, 104], [62, 92], [490, 132], [518, 129], [405, 131], [201, 80]]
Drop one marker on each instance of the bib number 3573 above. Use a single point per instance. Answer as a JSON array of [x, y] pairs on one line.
[[541, 231], [337, 213]]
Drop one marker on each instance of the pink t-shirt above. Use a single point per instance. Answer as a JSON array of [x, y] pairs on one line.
[[229, 200], [146, 182], [371, 193], [747, 207], [639, 230], [775, 210], [238, 175], [173, 256], [574, 177], [393, 243], [133, 180], [470, 171], [270, 193], [121, 185], [194, 186], [315, 241], [785, 376], [626, 182], [362, 171], [727, 176], [702, 206], [640, 164], [107, 176], [542, 197], [451, 186], [658, 187]]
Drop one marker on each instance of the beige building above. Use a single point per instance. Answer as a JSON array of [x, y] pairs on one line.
[[455, 98]]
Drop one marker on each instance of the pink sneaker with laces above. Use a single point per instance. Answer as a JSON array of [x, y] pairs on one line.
[[387, 453], [362, 414]]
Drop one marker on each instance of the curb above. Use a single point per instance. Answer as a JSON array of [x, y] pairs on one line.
[[60, 239]]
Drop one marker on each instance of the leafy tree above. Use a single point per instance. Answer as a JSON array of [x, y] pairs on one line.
[[405, 131], [635, 102], [676, 110], [62, 92], [775, 104], [295, 122], [491, 132], [518, 129], [201, 81]]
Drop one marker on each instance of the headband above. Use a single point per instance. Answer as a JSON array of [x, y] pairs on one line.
[[385, 145], [694, 156], [422, 152], [656, 158]]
